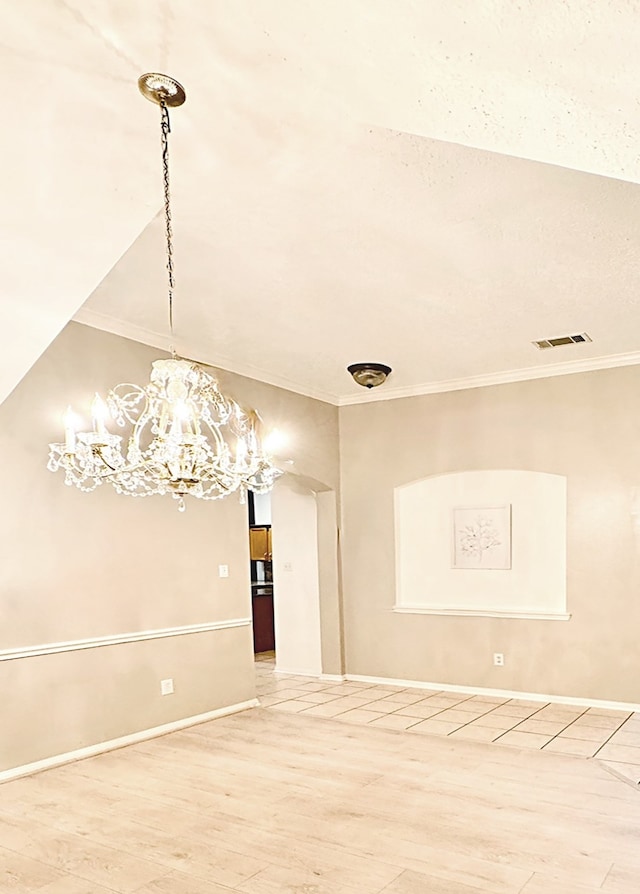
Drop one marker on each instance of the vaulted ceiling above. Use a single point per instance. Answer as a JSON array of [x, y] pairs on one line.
[[428, 185]]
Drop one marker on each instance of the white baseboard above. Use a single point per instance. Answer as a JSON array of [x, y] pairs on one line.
[[326, 678], [468, 690], [499, 693], [132, 739], [289, 672]]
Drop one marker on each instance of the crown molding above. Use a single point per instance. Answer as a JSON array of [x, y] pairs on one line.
[[104, 322], [500, 378]]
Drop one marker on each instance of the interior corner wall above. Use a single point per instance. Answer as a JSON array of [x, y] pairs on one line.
[[331, 626], [100, 567], [579, 426]]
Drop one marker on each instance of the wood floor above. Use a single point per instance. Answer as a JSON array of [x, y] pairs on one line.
[[266, 802]]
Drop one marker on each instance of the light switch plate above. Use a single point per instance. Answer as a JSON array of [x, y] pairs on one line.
[[166, 687], [223, 570]]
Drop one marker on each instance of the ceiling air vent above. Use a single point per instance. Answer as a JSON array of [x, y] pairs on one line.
[[545, 343]]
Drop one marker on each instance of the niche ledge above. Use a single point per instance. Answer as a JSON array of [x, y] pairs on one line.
[[481, 613]]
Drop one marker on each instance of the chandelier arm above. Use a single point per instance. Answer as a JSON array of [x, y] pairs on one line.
[[126, 408], [165, 126], [215, 433], [144, 419], [98, 453]]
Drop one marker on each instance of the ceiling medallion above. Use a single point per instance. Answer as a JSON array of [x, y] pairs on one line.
[[369, 375], [184, 437]]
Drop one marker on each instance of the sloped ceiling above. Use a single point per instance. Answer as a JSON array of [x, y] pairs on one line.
[[424, 184]]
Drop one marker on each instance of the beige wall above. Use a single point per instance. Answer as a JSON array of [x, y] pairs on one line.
[[583, 426], [331, 617], [77, 566]]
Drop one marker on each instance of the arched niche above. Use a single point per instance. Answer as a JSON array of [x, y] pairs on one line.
[[429, 517]]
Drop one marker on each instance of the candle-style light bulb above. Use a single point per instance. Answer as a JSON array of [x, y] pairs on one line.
[[99, 413], [275, 441], [176, 422], [241, 452], [69, 431]]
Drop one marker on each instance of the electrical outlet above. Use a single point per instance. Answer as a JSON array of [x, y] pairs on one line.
[[166, 686], [498, 659], [287, 566], [223, 570]]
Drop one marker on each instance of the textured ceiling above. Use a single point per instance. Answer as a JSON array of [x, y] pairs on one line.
[[353, 180]]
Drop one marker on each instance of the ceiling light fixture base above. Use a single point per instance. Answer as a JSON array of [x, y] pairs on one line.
[[369, 375], [161, 88]]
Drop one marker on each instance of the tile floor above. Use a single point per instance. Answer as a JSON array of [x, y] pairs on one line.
[[613, 737]]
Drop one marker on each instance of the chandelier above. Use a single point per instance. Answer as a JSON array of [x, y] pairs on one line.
[[184, 436]]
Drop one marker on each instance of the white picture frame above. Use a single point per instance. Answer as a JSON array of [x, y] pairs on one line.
[[482, 538]]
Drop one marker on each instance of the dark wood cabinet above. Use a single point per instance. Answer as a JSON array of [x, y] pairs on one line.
[[264, 639]]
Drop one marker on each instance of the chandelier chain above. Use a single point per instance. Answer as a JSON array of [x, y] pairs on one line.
[[183, 436], [166, 130]]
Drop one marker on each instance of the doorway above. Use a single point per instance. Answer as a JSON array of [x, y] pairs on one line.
[[295, 587], [261, 566]]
